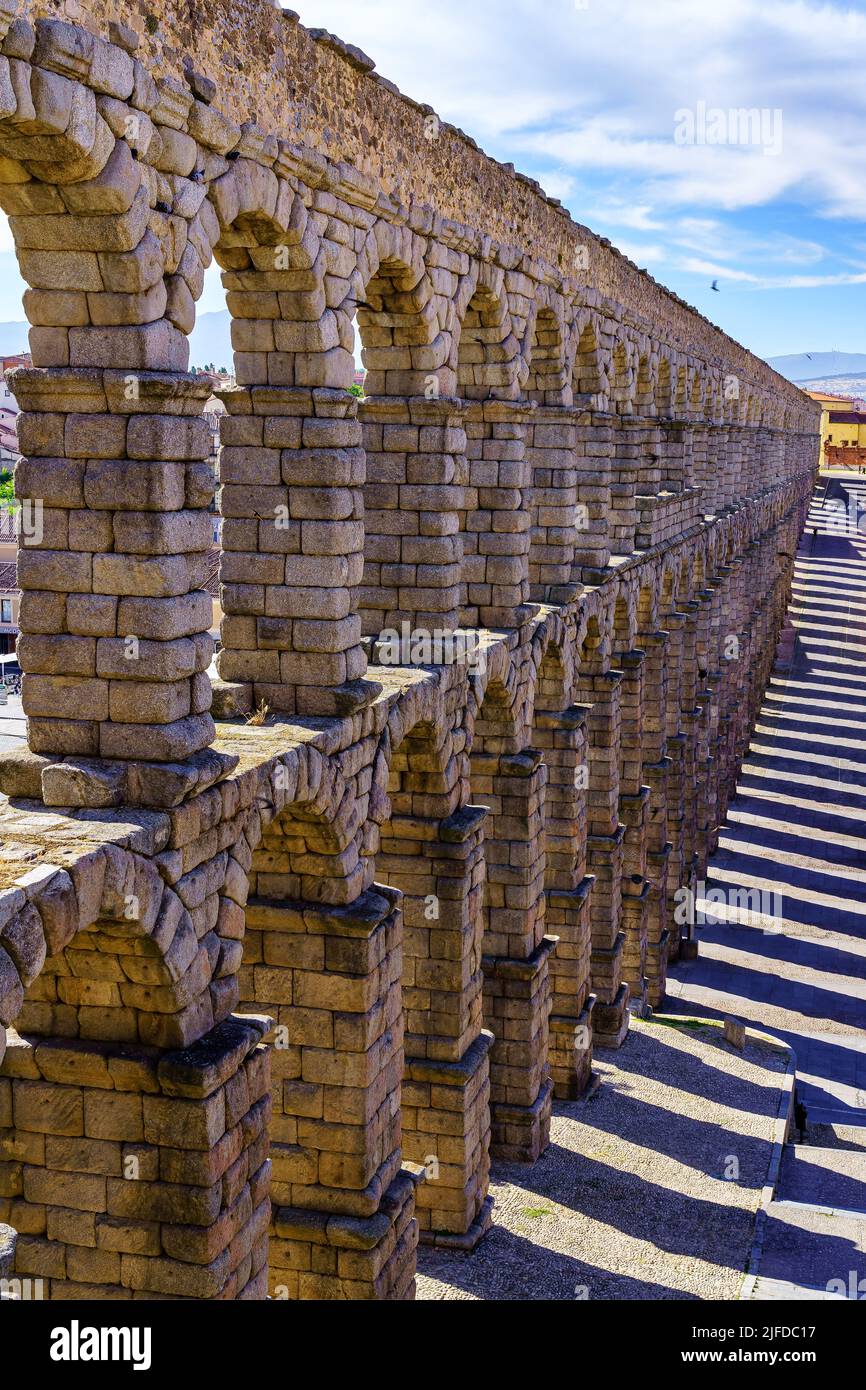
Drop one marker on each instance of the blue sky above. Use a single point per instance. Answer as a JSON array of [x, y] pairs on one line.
[[613, 105]]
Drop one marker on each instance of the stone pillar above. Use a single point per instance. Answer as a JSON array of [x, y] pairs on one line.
[[729, 637], [413, 499], [439, 867], [679, 869], [742, 481], [291, 470], [516, 951], [135, 1172], [717, 465], [552, 455], [696, 468], [625, 473], [496, 530], [655, 773], [634, 812], [563, 739], [343, 1209], [750, 484], [651, 497], [605, 856], [675, 455], [705, 772], [763, 450], [689, 713], [594, 443], [114, 616]]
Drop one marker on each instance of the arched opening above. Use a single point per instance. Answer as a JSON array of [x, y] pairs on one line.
[[645, 396], [621, 625], [547, 376], [495, 519], [415, 446], [322, 958], [487, 350], [432, 851], [588, 376], [622, 383], [664, 390], [291, 463], [509, 778]]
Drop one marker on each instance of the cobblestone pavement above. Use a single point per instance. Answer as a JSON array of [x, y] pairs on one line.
[[631, 1200], [795, 834]]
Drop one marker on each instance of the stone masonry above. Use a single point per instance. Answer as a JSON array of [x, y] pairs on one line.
[[290, 952]]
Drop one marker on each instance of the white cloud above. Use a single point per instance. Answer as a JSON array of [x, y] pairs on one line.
[[593, 92]]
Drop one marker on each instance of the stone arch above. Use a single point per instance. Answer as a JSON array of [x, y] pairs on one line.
[[546, 376], [588, 376], [591, 649], [645, 387], [487, 350], [65, 158], [267, 243], [682, 392], [684, 577], [696, 396], [622, 628], [304, 833], [109, 951], [499, 723], [413, 437], [552, 669], [668, 589], [622, 379], [431, 851], [494, 525], [664, 390], [399, 316], [646, 608], [103, 256], [699, 573], [291, 340], [509, 777]]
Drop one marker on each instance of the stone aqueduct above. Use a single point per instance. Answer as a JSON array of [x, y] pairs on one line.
[[281, 989]]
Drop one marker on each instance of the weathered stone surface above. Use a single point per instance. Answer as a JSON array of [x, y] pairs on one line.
[[431, 889]]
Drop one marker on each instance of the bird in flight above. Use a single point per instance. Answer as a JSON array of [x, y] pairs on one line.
[[715, 286]]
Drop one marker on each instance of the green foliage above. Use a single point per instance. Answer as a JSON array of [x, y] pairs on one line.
[[356, 390]]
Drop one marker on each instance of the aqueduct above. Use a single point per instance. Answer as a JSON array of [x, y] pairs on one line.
[[281, 989]]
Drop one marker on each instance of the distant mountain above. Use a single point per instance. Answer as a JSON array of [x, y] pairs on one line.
[[849, 385], [211, 340], [812, 366], [13, 338]]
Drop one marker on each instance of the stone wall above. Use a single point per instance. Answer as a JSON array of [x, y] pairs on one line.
[[492, 646]]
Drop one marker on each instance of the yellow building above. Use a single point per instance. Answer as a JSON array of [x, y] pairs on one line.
[[843, 429]]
